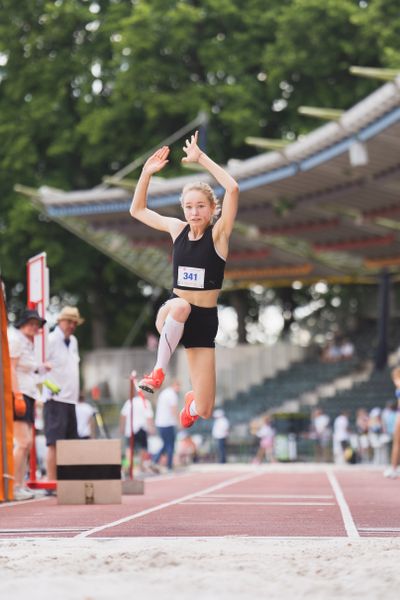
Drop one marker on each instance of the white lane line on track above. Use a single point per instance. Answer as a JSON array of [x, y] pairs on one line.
[[190, 502], [148, 511], [382, 529], [348, 521], [43, 530], [205, 538], [285, 496]]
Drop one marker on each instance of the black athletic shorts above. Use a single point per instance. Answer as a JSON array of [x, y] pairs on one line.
[[29, 416], [201, 327], [139, 440], [59, 422]]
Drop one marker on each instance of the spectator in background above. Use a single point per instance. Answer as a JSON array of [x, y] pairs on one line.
[[25, 372], [85, 419], [341, 438], [59, 409], [362, 421], [220, 431], [166, 421], [321, 433], [331, 353], [375, 421], [389, 416], [393, 471], [266, 434], [187, 449], [375, 433], [137, 417], [346, 349], [152, 342], [362, 425]]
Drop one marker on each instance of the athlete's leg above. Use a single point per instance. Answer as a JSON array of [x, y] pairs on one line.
[[170, 447], [170, 324], [259, 455], [23, 445], [51, 462], [202, 375], [162, 450], [177, 307]]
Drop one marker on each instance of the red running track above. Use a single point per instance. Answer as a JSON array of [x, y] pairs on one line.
[[284, 501]]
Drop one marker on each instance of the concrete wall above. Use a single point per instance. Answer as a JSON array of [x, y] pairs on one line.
[[111, 367], [237, 368]]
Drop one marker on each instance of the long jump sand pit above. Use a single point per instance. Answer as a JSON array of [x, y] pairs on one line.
[[283, 532], [206, 568]]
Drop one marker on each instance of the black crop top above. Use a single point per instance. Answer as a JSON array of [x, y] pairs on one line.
[[197, 265]]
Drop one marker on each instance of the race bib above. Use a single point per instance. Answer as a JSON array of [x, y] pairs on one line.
[[191, 277]]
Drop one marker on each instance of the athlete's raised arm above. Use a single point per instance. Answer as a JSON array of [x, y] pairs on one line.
[[139, 210], [230, 202]]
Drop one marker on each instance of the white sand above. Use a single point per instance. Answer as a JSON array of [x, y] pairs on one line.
[[190, 569]]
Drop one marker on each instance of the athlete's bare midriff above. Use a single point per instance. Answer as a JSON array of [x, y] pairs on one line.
[[203, 298]]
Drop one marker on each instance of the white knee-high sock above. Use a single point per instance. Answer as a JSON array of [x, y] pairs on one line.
[[192, 409], [171, 333]]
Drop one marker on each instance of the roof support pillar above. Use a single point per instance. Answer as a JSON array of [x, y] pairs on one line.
[[383, 320]]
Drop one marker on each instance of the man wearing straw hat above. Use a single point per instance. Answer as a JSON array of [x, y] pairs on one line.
[[59, 408]]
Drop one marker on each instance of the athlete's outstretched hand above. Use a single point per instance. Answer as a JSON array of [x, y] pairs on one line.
[[156, 161], [191, 149]]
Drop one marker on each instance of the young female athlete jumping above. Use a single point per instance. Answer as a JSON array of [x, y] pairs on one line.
[[200, 250]]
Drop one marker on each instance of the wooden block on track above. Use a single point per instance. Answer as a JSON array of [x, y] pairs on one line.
[[132, 486], [89, 472]]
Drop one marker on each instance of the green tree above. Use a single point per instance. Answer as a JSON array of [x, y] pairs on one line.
[[47, 55], [315, 44], [171, 60]]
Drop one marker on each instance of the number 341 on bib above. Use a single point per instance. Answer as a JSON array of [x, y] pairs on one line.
[[191, 277]]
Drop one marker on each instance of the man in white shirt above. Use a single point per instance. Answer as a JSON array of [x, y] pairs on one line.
[[25, 372], [341, 437], [220, 432], [321, 433], [85, 419], [166, 421], [137, 417], [59, 409]]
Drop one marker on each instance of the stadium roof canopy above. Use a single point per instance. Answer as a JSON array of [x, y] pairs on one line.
[[325, 207]]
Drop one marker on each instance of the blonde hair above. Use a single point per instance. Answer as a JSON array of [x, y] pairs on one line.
[[208, 192], [396, 373]]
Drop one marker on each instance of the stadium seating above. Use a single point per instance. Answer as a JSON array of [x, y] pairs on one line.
[[272, 393], [377, 391]]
